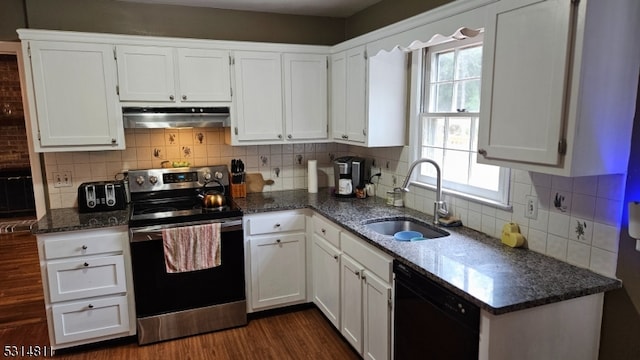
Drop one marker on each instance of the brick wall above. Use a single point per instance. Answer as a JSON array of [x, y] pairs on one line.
[[13, 137]]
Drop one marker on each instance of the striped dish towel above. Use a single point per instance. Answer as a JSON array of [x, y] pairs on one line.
[[191, 248]]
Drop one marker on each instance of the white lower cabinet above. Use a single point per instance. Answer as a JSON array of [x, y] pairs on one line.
[[90, 319], [326, 279], [350, 280], [352, 286], [377, 317], [367, 275], [277, 270], [86, 277], [351, 302], [88, 286], [275, 260]]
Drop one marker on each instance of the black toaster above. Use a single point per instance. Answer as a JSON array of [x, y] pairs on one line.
[[102, 196]]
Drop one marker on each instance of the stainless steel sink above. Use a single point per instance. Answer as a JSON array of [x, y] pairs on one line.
[[391, 226]]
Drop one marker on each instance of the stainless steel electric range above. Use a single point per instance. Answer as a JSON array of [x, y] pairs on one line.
[[173, 305]]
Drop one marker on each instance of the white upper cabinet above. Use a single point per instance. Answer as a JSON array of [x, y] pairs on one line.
[[368, 97], [305, 87], [173, 75], [204, 75], [145, 73], [280, 97], [72, 96], [258, 103], [558, 93]]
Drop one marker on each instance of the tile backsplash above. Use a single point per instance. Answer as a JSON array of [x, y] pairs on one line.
[[147, 148], [578, 219]]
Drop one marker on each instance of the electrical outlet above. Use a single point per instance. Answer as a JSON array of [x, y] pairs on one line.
[[62, 179], [531, 207]]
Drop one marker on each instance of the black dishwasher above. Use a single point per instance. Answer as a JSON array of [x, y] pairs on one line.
[[431, 322]]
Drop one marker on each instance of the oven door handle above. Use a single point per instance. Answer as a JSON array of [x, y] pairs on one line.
[[151, 233]]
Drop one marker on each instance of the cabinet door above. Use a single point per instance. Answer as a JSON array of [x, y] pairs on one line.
[[258, 78], [278, 273], [351, 302], [377, 318], [85, 277], [356, 94], [339, 95], [326, 279], [75, 96], [90, 319], [305, 86], [204, 75], [146, 73], [525, 60]]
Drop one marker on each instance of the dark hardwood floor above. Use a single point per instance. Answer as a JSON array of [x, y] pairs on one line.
[[300, 334]]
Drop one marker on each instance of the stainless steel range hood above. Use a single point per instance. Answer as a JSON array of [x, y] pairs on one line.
[[175, 117]]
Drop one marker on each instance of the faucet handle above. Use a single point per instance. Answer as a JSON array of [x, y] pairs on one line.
[[441, 207]]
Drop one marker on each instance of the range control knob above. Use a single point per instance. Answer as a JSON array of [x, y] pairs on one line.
[[218, 175], [153, 179], [207, 176], [140, 180]]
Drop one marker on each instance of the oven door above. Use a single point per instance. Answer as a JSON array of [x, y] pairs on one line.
[[158, 292]]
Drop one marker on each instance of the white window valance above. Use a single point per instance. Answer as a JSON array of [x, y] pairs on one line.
[[460, 26]]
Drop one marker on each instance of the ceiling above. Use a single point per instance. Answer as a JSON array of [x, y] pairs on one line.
[[332, 8]]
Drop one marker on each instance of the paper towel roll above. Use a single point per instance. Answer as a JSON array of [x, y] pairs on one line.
[[312, 176], [634, 219]]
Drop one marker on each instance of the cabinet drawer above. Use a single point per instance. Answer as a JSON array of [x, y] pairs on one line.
[[371, 258], [326, 230], [274, 224], [86, 277], [90, 319], [83, 243]]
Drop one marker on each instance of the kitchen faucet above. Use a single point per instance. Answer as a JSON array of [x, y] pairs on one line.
[[439, 206]]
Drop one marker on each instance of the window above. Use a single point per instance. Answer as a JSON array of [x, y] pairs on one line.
[[448, 122]]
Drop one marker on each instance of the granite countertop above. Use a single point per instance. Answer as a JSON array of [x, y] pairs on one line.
[[69, 219], [479, 268]]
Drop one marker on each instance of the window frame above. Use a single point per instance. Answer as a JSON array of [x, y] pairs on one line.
[[419, 102]]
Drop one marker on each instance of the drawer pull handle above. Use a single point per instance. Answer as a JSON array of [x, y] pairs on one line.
[[90, 306], [324, 231], [86, 264], [84, 247]]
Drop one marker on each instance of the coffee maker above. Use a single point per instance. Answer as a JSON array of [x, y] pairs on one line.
[[350, 172]]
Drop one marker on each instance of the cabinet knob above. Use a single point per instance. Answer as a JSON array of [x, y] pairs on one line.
[[279, 136], [482, 152], [278, 241], [324, 231], [358, 273], [289, 136], [277, 225], [86, 264], [90, 306], [113, 141], [84, 247], [184, 97], [171, 97], [335, 257]]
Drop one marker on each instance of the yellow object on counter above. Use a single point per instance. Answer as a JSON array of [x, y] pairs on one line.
[[511, 235]]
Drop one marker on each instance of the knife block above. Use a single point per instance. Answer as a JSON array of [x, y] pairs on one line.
[[239, 190]]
